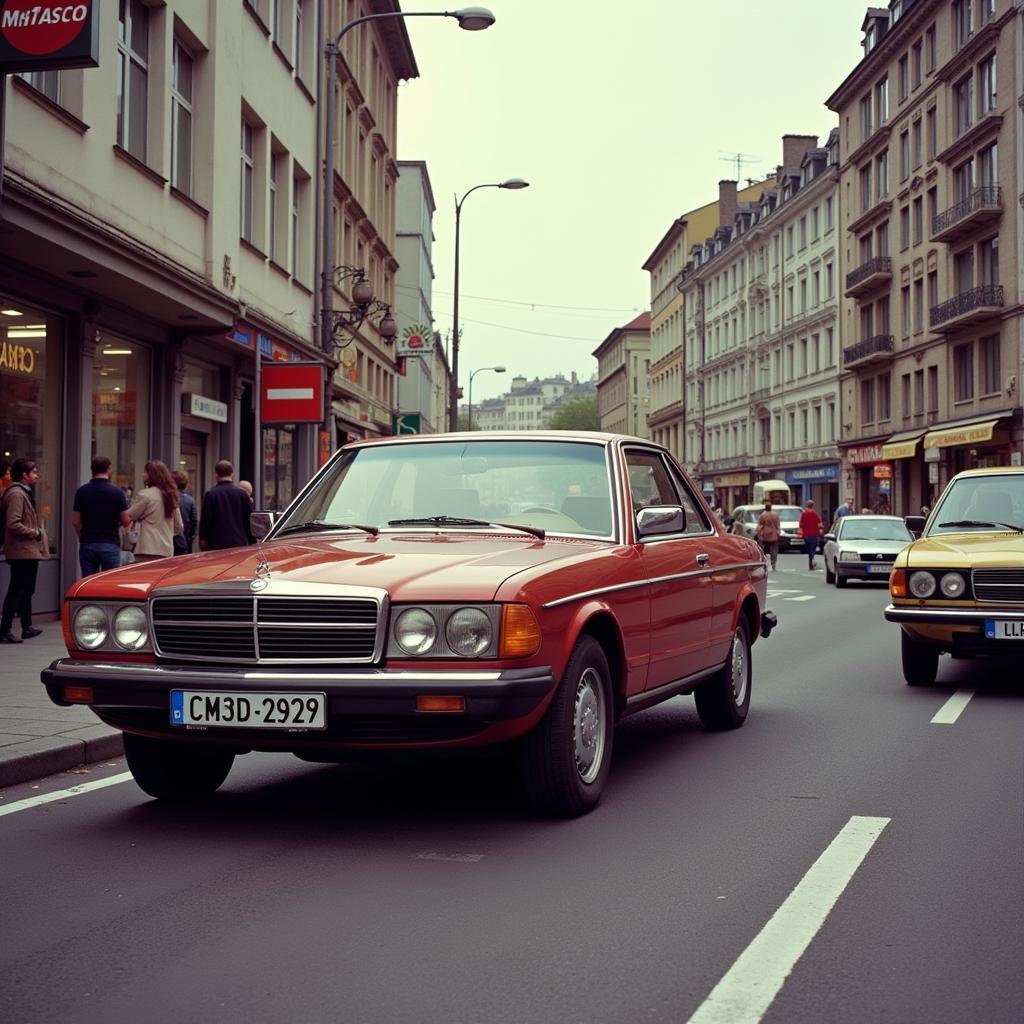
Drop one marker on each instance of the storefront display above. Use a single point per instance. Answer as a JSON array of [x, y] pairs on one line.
[[120, 409]]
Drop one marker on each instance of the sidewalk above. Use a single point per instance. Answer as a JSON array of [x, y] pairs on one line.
[[37, 737]]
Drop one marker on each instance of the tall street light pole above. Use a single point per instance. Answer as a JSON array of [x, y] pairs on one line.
[[479, 369], [453, 397]]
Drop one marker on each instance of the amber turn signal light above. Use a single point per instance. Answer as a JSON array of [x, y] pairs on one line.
[[898, 583], [520, 634], [78, 694], [432, 702]]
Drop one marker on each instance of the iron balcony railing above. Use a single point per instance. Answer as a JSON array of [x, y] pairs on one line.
[[878, 345], [984, 297], [989, 197], [875, 265]]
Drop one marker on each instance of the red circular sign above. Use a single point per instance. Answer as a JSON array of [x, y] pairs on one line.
[[43, 27]]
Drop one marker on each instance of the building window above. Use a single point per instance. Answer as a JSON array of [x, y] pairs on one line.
[[904, 77], [905, 309], [248, 175], [882, 100], [963, 22], [905, 395], [933, 389], [274, 246], [932, 127], [915, 64], [963, 104], [918, 392], [884, 397], [132, 76], [919, 305], [929, 49], [181, 119], [904, 156], [865, 189], [298, 40], [865, 117], [46, 82], [905, 227], [987, 10], [987, 85], [933, 288], [918, 219], [963, 372], [867, 401], [988, 166], [828, 214], [297, 184], [963, 181], [963, 270], [988, 370], [988, 259], [882, 173], [917, 146]]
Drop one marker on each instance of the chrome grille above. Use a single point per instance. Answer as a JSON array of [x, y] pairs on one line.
[[266, 629], [999, 586]]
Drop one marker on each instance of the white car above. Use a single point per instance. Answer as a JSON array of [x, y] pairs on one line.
[[863, 548]]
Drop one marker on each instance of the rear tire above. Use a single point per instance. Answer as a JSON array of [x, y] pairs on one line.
[[920, 661], [179, 772], [724, 700]]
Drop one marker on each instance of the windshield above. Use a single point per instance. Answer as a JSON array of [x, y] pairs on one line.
[[558, 486], [874, 529], [980, 503], [788, 513]]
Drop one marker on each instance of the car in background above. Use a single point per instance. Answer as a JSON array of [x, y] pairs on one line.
[[430, 593], [748, 516], [959, 588], [863, 548]]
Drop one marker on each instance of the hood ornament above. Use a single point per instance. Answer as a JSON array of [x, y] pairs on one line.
[[262, 579]]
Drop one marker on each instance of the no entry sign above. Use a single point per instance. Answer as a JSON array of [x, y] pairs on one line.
[[292, 392], [43, 35]]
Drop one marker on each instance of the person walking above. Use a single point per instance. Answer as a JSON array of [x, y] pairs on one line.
[[25, 545], [846, 509], [99, 511], [156, 513], [810, 528], [768, 529], [189, 516], [224, 520]]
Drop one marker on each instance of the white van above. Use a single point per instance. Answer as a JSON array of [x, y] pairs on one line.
[[775, 491]]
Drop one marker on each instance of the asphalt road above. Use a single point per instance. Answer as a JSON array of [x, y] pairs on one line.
[[427, 893]]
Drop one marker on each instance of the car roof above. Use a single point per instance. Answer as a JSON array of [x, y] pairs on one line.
[[593, 436], [898, 519], [991, 471]]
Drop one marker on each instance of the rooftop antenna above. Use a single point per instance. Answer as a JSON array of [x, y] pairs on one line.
[[739, 159]]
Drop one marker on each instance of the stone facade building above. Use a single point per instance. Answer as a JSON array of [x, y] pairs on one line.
[[623, 378]]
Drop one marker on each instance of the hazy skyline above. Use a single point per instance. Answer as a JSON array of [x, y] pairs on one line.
[[621, 119]]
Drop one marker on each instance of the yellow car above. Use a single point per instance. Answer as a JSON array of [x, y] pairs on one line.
[[960, 587]]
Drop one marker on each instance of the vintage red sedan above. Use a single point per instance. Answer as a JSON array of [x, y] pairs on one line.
[[441, 591]]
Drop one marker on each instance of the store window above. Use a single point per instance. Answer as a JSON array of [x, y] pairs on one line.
[[120, 409], [31, 370], [278, 467]]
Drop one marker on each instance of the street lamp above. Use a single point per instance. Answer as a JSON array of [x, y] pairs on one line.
[[479, 369], [453, 398]]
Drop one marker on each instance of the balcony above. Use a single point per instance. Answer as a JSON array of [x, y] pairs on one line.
[[967, 308], [874, 272], [870, 350], [980, 207], [760, 395]]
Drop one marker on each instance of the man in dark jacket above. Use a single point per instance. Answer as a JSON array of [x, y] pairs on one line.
[[99, 512], [189, 516], [25, 545], [224, 521]]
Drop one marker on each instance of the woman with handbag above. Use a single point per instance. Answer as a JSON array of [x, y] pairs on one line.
[[155, 513]]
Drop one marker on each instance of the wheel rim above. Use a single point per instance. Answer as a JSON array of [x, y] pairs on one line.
[[588, 725], [738, 664]]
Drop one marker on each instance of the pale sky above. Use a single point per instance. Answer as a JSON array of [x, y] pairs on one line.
[[620, 115]]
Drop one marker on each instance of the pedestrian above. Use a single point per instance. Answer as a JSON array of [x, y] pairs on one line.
[[99, 511], [156, 513], [247, 487], [25, 545], [224, 521], [925, 511], [768, 529], [846, 509], [810, 528], [189, 516]]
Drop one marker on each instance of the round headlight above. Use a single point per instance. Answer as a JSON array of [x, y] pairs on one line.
[[131, 628], [91, 627], [415, 631], [469, 632], [952, 585], [922, 584]]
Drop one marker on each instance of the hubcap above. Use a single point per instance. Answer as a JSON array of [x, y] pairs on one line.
[[588, 726], [739, 669]]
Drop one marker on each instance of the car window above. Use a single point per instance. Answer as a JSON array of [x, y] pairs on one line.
[[874, 529], [788, 513], [653, 482], [984, 499]]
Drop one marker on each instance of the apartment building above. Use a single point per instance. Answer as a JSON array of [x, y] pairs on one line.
[[529, 404], [931, 316], [623, 378]]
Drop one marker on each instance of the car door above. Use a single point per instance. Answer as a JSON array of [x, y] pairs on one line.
[[680, 590]]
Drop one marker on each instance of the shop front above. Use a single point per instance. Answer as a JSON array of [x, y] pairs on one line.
[[867, 477], [910, 474], [818, 483], [731, 489], [992, 440]]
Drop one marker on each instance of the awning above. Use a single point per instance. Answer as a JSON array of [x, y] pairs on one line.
[[903, 445], [966, 433]]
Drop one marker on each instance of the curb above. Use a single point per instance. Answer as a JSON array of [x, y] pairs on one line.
[[47, 756]]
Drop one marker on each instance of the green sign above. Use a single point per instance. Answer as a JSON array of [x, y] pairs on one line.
[[405, 423]]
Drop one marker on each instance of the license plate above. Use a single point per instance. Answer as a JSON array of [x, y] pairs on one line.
[[880, 568], [249, 710], [1003, 629]]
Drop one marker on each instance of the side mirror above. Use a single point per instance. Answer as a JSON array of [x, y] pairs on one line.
[[830, 536], [261, 523], [915, 524], [659, 519]]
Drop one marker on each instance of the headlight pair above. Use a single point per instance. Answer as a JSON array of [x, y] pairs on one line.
[[113, 627], [467, 632], [923, 585]]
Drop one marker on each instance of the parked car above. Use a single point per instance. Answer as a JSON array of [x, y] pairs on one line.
[[959, 589], [863, 548], [388, 610]]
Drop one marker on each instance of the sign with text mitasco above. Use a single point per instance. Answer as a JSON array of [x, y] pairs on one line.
[[45, 35], [292, 392]]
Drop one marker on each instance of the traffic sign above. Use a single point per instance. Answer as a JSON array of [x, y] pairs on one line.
[[406, 423]]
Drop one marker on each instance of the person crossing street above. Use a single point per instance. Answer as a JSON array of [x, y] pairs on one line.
[[811, 531]]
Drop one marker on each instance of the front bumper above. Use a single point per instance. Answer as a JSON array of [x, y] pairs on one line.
[[957, 630], [364, 706], [916, 616], [864, 570]]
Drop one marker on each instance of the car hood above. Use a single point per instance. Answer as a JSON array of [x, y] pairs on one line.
[[409, 566], [967, 551]]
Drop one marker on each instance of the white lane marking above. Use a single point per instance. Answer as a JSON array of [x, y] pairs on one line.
[[754, 980], [773, 592], [952, 709], [806, 597], [62, 794]]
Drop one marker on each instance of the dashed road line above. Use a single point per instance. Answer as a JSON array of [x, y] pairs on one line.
[[953, 708], [62, 794]]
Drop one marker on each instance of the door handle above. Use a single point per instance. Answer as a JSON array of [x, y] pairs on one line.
[[703, 559]]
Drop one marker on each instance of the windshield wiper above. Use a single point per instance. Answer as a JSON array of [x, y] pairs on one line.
[[534, 531], [984, 524], [321, 524]]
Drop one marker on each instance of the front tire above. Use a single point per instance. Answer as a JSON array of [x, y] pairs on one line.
[[724, 700], [830, 576], [179, 772], [565, 760], [920, 661], [841, 581]]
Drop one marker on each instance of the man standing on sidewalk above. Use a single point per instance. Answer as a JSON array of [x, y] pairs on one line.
[[224, 520], [100, 510], [810, 528]]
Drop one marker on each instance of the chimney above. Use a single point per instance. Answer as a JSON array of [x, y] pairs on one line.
[[727, 203], [793, 149]]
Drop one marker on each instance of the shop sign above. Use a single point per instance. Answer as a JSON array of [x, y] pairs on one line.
[[732, 480], [813, 474], [882, 471], [864, 453], [45, 35], [203, 407], [415, 341], [292, 393], [933, 472], [17, 358], [932, 455], [970, 434]]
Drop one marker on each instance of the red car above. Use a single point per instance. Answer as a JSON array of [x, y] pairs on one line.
[[440, 591]]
